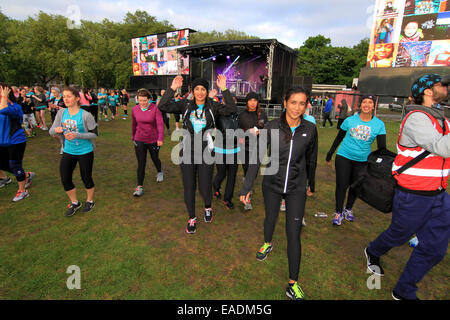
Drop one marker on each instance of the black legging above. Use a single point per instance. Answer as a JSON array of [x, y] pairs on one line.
[[68, 164], [346, 172], [166, 120], [229, 171], [11, 160], [141, 154], [295, 210], [189, 173]]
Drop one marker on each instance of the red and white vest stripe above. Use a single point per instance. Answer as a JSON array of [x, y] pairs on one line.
[[431, 173]]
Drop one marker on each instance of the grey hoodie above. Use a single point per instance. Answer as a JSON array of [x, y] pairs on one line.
[[419, 131]]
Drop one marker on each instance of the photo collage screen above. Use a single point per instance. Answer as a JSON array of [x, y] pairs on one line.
[[156, 55], [410, 33]]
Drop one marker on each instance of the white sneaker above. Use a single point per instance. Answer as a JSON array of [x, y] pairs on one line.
[[20, 195], [30, 177], [138, 192], [283, 205], [4, 182], [303, 222], [160, 177]]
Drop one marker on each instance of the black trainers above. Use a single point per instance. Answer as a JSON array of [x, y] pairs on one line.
[[208, 215], [373, 263], [88, 206], [72, 209], [217, 195], [396, 296], [229, 204], [191, 226]]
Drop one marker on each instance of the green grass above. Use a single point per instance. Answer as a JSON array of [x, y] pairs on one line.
[[131, 248]]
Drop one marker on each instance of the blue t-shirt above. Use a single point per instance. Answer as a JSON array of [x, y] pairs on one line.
[[293, 128], [75, 124], [360, 135], [112, 100], [199, 121], [309, 118], [101, 98]]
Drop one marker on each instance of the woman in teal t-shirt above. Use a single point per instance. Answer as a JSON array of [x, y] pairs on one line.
[[79, 129], [357, 134]]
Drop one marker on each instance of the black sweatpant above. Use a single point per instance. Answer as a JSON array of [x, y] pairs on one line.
[[141, 155], [68, 164], [189, 173], [11, 158], [228, 171], [346, 173], [295, 210], [327, 116]]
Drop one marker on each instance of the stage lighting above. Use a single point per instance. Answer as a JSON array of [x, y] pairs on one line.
[[228, 57]]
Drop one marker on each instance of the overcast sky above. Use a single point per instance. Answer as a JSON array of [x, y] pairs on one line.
[[291, 22]]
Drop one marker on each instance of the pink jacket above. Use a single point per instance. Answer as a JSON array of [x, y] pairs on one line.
[[84, 99], [147, 126]]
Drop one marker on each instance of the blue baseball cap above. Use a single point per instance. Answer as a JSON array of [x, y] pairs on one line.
[[423, 83]]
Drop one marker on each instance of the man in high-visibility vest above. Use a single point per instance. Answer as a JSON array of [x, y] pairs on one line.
[[421, 204]]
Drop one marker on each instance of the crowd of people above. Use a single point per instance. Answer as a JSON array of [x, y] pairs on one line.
[[216, 135]]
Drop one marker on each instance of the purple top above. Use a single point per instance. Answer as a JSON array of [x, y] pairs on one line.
[[147, 126]]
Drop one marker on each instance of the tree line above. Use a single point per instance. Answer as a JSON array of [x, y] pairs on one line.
[[42, 49]]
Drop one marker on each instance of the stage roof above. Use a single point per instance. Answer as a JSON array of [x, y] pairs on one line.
[[233, 46]]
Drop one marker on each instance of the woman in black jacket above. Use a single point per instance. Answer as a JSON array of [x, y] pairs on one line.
[[251, 120], [297, 143], [199, 116]]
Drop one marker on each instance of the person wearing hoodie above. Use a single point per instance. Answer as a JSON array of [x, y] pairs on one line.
[[421, 205], [251, 120], [147, 134], [297, 143], [199, 119]]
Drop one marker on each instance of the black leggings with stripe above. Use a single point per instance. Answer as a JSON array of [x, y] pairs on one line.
[[295, 210]]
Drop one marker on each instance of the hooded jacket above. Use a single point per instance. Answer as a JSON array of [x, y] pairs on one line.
[[297, 159]]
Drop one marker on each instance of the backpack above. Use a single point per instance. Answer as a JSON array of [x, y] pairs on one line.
[[375, 184], [228, 122]]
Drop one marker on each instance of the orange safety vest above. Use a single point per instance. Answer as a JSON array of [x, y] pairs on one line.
[[430, 174]]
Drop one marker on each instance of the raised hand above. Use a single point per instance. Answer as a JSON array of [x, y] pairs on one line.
[[177, 83], [212, 93], [221, 81]]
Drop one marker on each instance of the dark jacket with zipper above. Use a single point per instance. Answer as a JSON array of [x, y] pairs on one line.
[[297, 158], [212, 110]]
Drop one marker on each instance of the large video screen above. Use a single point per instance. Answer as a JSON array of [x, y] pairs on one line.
[[244, 74], [156, 54], [410, 33]]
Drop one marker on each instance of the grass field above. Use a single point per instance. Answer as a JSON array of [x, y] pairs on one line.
[[130, 248]]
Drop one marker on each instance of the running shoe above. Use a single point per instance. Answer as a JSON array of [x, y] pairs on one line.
[[283, 205], [20, 195], [61, 151], [338, 218], [229, 204], [294, 292], [30, 177], [208, 215], [191, 226], [348, 214], [72, 208], [373, 263], [88, 206], [138, 192], [217, 194], [160, 177], [248, 206], [396, 296], [264, 251], [106, 120], [303, 222], [4, 182]]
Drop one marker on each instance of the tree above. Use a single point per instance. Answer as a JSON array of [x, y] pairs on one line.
[[205, 37]]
